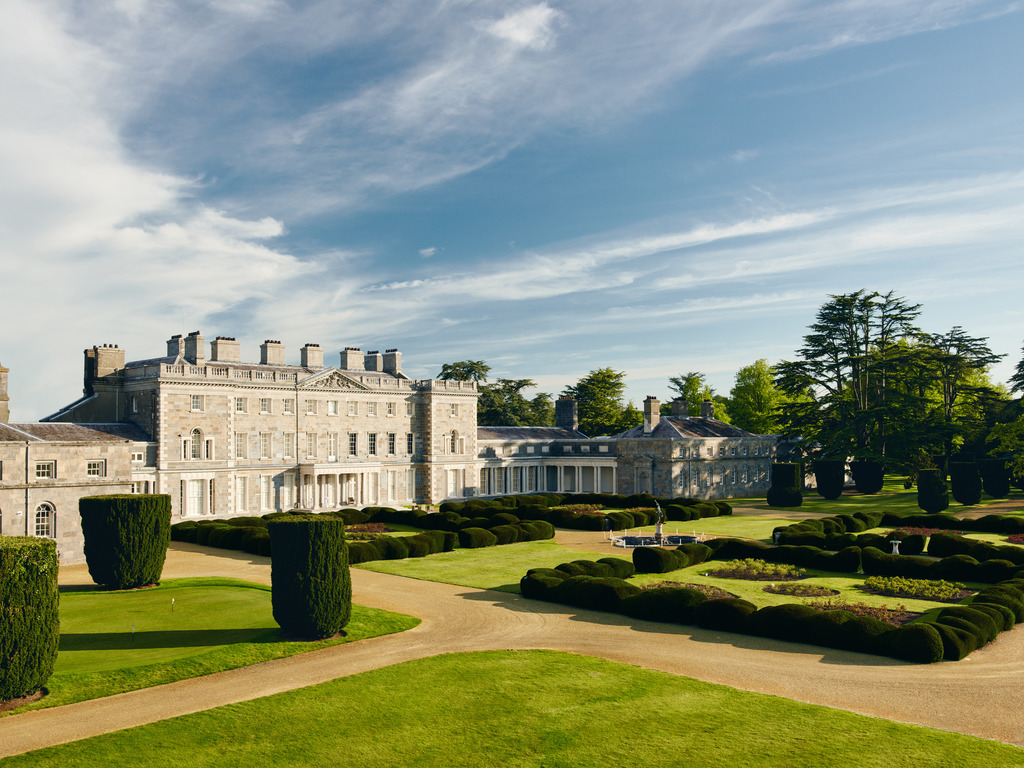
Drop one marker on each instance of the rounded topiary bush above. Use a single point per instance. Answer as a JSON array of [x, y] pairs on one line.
[[995, 478], [829, 477], [932, 496], [728, 613], [126, 538], [656, 560], [29, 630], [472, 538], [311, 588], [868, 476], [785, 490], [965, 482]]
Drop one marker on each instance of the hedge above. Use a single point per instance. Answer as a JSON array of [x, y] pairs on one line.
[[965, 482], [126, 538], [932, 495], [30, 630], [995, 477], [311, 588], [785, 490], [868, 476], [829, 477]]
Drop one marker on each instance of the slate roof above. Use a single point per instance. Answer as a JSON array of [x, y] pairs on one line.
[[528, 433], [670, 427], [63, 432]]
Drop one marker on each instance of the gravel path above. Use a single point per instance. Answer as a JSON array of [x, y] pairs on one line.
[[981, 696]]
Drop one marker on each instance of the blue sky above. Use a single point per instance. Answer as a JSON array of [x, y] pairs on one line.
[[551, 187]]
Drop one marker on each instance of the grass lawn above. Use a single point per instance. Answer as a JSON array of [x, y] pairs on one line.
[[847, 585], [498, 568], [525, 709], [892, 498], [216, 624]]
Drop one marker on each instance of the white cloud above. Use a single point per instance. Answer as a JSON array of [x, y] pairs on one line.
[[426, 253]]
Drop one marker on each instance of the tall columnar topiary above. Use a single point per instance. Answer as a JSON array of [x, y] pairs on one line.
[[126, 538], [965, 482], [29, 629], [931, 491], [829, 477], [311, 588], [995, 477], [868, 476], [785, 490]]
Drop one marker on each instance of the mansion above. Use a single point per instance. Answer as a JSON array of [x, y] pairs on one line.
[[227, 438]]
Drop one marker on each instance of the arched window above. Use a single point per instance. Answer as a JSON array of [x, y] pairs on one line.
[[196, 444], [45, 514]]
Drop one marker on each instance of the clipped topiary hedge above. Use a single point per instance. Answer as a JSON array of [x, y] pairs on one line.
[[126, 538], [29, 630], [829, 477], [932, 496], [965, 482], [995, 477], [868, 476], [785, 490], [311, 588]]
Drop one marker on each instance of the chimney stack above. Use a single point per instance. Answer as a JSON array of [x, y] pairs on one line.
[[393, 362], [707, 409], [652, 414], [680, 408], [311, 356], [352, 359], [374, 361], [567, 414], [100, 362], [195, 348], [225, 349], [271, 352], [5, 411], [175, 346]]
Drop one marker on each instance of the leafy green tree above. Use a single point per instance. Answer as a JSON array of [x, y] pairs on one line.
[[599, 401], [543, 408], [466, 370], [1017, 379], [754, 399], [502, 404], [693, 388], [849, 366], [958, 365], [629, 417]]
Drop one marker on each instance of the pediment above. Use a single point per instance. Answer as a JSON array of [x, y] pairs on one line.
[[333, 379]]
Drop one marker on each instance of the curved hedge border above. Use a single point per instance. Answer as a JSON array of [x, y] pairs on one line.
[[29, 631], [955, 632], [444, 532]]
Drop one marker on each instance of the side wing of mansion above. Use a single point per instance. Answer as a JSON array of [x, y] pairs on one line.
[[226, 438]]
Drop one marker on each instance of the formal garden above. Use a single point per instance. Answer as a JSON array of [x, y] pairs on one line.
[[825, 576]]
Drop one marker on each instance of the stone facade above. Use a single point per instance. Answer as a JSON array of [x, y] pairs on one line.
[[46, 468], [678, 455], [226, 438]]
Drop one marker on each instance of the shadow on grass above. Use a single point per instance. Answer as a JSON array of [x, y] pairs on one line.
[[168, 638], [832, 656]]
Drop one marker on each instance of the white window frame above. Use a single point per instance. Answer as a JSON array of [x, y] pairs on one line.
[[332, 407], [289, 405], [241, 445], [241, 405], [96, 468], [266, 445], [46, 470], [353, 408], [265, 405], [45, 522], [198, 403]]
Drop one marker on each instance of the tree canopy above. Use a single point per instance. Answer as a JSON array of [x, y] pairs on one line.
[[754, 399], [876, 386], [502, 404], [466, 370], [599, 402]]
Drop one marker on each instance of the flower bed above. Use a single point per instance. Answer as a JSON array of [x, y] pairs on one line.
[[911, 530], [801, 590], [709, 591], [897, 616], [759, 570], [919, 589]]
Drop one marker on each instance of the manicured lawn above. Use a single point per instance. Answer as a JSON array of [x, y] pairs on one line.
[[498, 568], [216, 624], [526, 709]]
